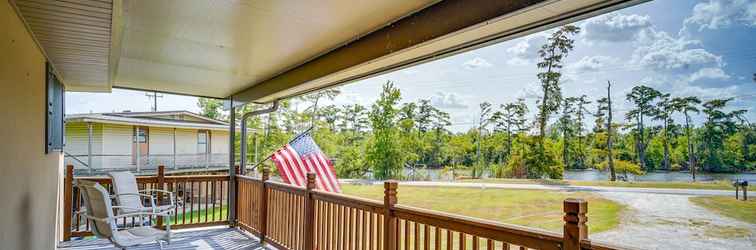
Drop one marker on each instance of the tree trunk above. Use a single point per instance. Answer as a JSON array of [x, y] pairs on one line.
[[609, 132], [691, 163], [666, 146], [641, 143]]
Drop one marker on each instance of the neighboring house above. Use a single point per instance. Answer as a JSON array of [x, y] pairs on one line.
[[175, 139]]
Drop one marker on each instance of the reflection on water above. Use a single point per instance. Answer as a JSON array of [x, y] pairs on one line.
[[587, 175]]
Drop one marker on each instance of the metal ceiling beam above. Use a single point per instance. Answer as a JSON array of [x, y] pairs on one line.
[[434, 22]]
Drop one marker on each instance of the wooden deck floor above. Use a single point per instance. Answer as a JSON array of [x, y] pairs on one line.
[[215, 238]]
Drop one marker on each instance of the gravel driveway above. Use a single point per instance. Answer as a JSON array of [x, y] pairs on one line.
[[667, 221]]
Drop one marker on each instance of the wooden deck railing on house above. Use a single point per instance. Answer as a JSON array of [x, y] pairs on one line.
[[203, 198], [292, 217]]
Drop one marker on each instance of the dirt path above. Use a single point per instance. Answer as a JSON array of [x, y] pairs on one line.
[[666, 221]]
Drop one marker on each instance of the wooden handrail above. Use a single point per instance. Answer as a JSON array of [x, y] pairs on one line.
[[202, 199], [306, 218], [345, 221]]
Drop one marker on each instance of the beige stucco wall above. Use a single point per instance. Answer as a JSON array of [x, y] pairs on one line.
[[30, 180]]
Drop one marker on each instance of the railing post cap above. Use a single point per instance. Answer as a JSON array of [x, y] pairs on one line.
[[575, 206], [311, 180], [391, 184]]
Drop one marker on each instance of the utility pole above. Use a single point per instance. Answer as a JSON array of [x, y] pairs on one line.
[[154, 95], [609, 130]]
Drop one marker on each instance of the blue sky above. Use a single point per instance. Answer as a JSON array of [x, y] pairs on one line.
[[702, 48]]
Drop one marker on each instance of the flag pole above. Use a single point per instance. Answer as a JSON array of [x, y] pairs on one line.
[[290, 141]]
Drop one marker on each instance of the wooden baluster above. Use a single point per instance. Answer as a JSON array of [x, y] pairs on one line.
[[449, 239], [389, 219], [342, 228], [160, 184], [416, 237], [364, 226], [462, 241], [329, 226], [207, 195], [575, 229], [489, 244], [437, 238], [309, 216], [476, 243], [349, 228], [186, 202], [426, 237], [68, 203]]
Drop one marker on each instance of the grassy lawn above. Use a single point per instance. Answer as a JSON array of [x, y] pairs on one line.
[[728, 206], [199, 215], [533, 208], [717, 185]]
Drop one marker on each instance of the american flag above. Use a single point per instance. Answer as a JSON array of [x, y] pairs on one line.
[[301, 156]]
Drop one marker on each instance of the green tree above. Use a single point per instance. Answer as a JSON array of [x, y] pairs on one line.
[[558, 45], [484, 119], [687, 106], [643, 98], [512, 120], [211, 108], [605, 110], [718, 126], [384, 153], [663, 112]]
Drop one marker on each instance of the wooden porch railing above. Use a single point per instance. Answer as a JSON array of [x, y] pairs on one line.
[[203, 199], [291, 217]]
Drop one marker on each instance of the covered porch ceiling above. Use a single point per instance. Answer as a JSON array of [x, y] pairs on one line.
[[259, 51]]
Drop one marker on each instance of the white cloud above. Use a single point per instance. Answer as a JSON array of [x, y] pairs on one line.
[[477, 62], [591, 63], [716, 14], [658, 50], [709, 73], [448, 101], [614, 27], [526, 51]]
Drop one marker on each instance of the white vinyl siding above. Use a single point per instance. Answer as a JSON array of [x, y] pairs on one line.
[[161, 141], [77, 144], [117, 145], [113, 144], [218, 142], [186, 141]]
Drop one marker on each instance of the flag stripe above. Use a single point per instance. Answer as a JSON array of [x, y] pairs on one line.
[[285, 176], [293, 168], [325, 185], [321, 174], [330, 172]]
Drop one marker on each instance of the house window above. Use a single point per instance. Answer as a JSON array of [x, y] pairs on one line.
[[202, 141], [140, 134]]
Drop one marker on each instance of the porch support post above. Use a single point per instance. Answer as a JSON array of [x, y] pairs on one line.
[[231, 166], [575, 229], [138, 151], [68, 203], [389, 219], [264, 204], [89, 147], [175, 166]]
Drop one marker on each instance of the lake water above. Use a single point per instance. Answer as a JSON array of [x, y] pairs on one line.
[[593, 175]]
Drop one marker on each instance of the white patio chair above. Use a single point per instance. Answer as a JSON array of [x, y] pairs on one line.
[[124, 182], [99, 210]]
